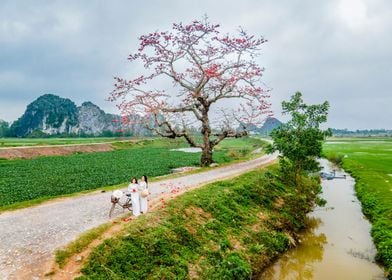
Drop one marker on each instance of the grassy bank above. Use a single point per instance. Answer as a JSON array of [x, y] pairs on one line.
[[28, 182], [225, 230], [370, 163]]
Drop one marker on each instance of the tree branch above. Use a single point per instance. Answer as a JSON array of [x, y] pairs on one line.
[[170, 131], [227, 134]]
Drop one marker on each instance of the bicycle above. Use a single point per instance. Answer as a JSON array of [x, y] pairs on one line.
[[115, 200]]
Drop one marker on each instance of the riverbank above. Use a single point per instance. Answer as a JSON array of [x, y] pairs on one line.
[[370, 163], [225, 230], [337, 244]]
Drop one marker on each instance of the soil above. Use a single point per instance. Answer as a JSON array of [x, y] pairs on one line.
[[60, 150]]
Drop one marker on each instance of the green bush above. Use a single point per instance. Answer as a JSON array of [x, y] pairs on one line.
[[233, 266], [336, 158]]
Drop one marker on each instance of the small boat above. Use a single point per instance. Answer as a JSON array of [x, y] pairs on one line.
[[331, 175]]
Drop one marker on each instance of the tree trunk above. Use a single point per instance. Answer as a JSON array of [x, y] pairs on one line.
[[206, 156]]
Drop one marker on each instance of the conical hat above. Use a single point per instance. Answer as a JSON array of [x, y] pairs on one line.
[[117, 194]]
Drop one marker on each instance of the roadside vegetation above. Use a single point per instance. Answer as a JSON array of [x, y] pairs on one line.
[[225, 230], [25, 182], [78, 245], [370, 162]]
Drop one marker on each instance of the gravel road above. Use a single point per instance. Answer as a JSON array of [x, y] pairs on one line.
[[29, 237]]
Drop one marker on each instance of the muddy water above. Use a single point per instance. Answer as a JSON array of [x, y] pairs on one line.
[[337, 245]]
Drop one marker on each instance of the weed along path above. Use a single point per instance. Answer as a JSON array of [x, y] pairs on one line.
[[337, 245], [29, 237]]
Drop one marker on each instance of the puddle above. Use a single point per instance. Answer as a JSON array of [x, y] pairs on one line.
[[337, 245], [187, 150]]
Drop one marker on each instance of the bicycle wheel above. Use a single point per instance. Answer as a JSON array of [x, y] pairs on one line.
[[112, 209], [129, 204]]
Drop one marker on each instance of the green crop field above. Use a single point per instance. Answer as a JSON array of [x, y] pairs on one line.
[[370, 162], [18, 142], [45, 177]]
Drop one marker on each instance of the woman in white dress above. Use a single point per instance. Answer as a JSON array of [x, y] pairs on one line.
[[143, 189], [133, 188]]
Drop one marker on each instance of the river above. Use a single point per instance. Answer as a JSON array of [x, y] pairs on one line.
[[337, 244]]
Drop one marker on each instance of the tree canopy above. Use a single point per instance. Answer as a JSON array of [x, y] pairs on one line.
[[196, 77], [300, 140]]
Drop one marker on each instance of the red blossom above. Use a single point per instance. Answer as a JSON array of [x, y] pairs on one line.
[[212, 71], [204, 67]]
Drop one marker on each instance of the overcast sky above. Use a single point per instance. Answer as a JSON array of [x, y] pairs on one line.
[[335, 50]]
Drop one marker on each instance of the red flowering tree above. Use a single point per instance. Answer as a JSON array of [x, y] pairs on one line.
[[215, 85]]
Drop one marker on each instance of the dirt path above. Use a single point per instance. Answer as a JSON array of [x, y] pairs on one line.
[[29, 237], [33, 152], [28, 152], [68, 145]]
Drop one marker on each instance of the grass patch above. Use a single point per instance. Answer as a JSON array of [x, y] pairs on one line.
[[225, 230], [77, 246], [370, 162], [237, 149]]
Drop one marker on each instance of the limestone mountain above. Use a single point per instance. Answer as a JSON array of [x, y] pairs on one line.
[[266, 128], [93, 120], [54, 115], [269, 125], [49, 114]]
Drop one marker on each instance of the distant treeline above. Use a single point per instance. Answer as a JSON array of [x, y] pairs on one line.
[[364, 132]]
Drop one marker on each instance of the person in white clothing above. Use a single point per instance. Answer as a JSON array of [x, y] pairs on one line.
[[133, 188], [143, 189]]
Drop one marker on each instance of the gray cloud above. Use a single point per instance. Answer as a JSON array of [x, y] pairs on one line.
[[335, 50]]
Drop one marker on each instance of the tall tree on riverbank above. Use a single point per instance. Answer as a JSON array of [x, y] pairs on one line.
[[300, 140], [204, 69]]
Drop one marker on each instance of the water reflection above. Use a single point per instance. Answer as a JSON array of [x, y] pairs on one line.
[[349, 252], [298, 262]]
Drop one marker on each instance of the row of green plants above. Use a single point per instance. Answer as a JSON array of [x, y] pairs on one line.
[[44, 177], [225, 230], [370, 163]]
